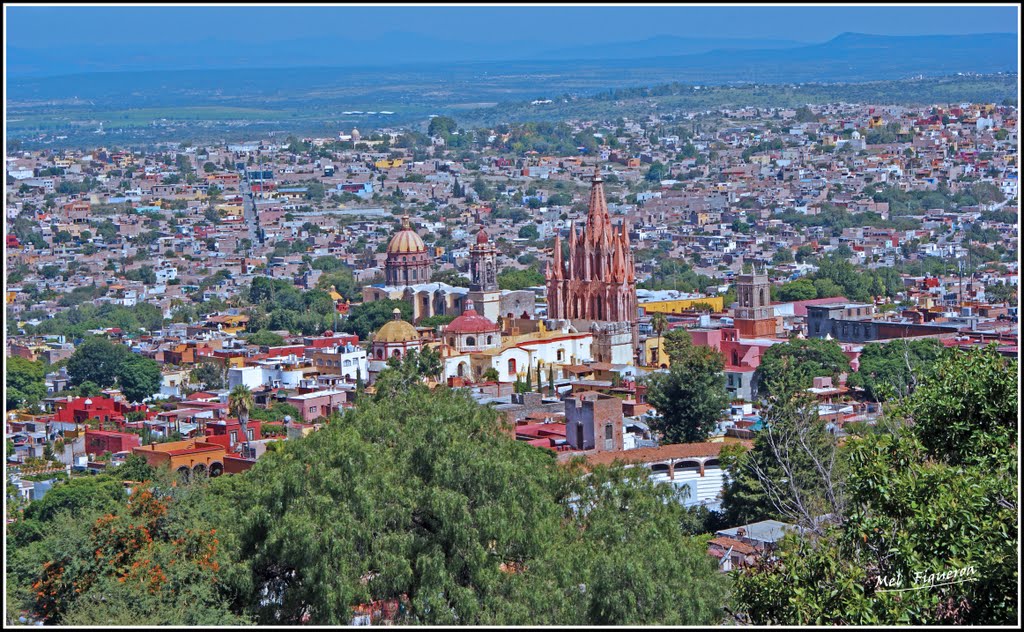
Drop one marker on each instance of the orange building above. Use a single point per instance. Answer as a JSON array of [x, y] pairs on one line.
[[185, 457]]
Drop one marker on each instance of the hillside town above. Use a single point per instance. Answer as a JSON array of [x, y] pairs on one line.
[[553, 272]]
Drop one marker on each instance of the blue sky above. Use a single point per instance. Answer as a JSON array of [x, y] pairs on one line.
[[64, 28]]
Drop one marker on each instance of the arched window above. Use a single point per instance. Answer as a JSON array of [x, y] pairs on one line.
[[490, 340], [397, 353], [561, 355], [451, 341], [380, 354], [470, 341], [512, 366]]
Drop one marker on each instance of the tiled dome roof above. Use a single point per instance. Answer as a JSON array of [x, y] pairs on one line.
[[470, 323], [396, 330], [406, 241]]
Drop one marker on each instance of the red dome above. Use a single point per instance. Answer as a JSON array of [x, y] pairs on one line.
[[482, 237], [470, 323]]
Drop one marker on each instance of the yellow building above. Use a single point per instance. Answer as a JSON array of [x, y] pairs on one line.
[[679, 306], [654, 353], [384, 163]]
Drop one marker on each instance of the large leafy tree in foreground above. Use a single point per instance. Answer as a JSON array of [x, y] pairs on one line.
[[933, 495], [90, 554], [413, 493], [423, 494]]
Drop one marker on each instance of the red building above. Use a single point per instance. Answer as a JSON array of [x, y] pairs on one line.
[[78, 410], [330, 339], [599, 280], [228, 434], [100, 441]]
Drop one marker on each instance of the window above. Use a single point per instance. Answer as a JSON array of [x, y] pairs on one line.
[[471, 341], [561, 355], [490, 340], [512, 366], [234, 437], [609, 442], [249, 434]]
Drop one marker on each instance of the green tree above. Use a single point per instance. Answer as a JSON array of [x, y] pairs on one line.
[[210, 375], [928, 498], [793, 473], [691, 395], [520, 279], [795, 364], [139, 377], [366, 318], [415, 518], [965, 409], [451, 277], [261, 291], [893, 369], [656, 172], [782, 255], [799, 290], [265, 338], [826, 288], [25, 382], [529, 231], [1001, 293], [97, 360], [436, 320], [441, 126]]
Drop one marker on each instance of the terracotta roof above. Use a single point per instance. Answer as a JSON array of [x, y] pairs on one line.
[[739, 547], [577, 368], [660, 453], [469, 322]]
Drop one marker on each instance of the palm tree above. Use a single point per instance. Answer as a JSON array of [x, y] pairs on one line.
[[660, 324], [240, 402]]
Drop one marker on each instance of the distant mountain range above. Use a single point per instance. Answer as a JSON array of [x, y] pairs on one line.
[[928, 54], [365, 75]]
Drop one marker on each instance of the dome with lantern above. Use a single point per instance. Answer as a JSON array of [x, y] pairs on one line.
[[395, 338], [408, 261], [471, 331]]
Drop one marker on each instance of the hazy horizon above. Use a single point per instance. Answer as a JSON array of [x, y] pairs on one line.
[[41, 39]]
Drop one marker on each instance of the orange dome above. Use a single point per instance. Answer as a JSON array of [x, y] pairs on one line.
[[406, 241]]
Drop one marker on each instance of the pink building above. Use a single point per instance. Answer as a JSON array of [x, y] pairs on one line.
[[318, 403]]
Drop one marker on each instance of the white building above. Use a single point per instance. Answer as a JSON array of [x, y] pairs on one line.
[[276, 373]]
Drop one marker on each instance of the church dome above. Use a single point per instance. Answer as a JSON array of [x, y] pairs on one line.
[[396, 330], [482, 236], [406, 241], [469, 322]]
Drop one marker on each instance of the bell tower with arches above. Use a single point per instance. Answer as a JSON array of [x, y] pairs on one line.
[[755, 316]]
